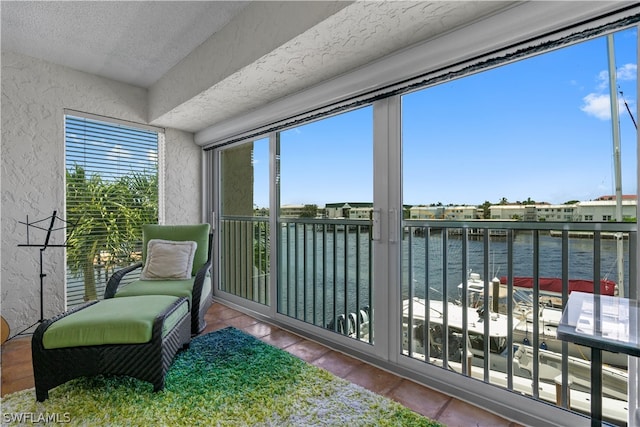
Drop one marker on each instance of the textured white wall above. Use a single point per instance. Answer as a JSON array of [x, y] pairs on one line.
[[34, 96], [182, 178]]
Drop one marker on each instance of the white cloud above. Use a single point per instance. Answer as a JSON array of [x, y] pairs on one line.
[[117, 153], [152, 156], [628, 72], [597, 105], [603, 78], [99, 144]]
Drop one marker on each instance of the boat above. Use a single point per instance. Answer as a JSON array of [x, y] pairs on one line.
[[414, 315], [549, 313], [352, 324], [615, 380], [553, 285], [425, 341]]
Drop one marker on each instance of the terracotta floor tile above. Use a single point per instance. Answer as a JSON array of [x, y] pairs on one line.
[[17, 369], [240, 322], [260, 329], [421, 399], [214, 326], [17, 385], [16, 356], [281, 338], [307, 350], [374, 379], [337, 363], [16, 349], [211, 317], [222, 312], [461, 414]]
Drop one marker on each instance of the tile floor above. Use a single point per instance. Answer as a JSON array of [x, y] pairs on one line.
[[17, 372]]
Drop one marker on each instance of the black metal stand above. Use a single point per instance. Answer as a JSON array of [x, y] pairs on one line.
[[42, 247]]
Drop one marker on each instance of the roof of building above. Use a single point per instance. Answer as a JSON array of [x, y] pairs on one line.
[[349, 205], [613, 197], [625, 202]]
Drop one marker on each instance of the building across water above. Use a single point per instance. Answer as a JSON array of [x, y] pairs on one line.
[[602, 209], [599, 210]]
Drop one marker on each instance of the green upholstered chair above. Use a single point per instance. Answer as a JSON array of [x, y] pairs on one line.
[[195, 284]]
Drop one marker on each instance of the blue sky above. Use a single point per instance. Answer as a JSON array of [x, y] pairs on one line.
[[537, 128]]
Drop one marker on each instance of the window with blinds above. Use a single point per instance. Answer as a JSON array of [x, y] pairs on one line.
[[111, 190]]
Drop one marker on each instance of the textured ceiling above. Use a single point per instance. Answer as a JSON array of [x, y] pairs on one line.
[[166, 46], [360, 33], [135, 42]]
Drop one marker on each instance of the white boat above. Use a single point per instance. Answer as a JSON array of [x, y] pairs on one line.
[[414, 344], [549, 315], [615, 380]]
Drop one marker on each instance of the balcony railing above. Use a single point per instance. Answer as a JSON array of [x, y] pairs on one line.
[[522, 353], [244, 257], [325, 278], [326, 274]]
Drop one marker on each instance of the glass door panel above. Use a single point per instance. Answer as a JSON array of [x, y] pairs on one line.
[[509, 175], [244, 221], [325, 206]]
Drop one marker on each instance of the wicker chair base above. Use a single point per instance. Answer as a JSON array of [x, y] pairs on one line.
[[148, 362]]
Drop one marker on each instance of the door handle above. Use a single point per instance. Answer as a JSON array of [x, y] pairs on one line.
[[375, 224]]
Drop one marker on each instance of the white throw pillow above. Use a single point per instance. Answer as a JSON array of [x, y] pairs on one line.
[[168, 260]]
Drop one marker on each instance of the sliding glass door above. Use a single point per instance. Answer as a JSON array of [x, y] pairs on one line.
[[517, 184], [326, 203], [400, 228]]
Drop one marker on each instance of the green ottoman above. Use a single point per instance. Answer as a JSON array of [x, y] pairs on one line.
[[135, 336]]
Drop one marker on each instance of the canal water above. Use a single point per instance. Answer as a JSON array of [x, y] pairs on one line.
[[580, 259], [324, 274]]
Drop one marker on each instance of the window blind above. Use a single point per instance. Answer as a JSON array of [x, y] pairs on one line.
[[111, 190]]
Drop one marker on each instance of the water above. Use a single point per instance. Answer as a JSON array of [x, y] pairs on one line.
[[324, 274], [580, 261]]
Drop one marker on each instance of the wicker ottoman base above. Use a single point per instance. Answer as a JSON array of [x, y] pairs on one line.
[[148, 362]]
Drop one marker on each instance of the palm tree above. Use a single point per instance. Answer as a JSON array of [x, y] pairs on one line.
[[309, 211], [486, 209], [109, 216]]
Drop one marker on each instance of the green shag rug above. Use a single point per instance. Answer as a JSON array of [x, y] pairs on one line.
[[225, 378]]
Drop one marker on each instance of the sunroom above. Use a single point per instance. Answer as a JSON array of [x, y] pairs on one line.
[[361, 164]]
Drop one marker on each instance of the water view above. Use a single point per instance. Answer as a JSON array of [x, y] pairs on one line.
[[328, 261], [581, 259]]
